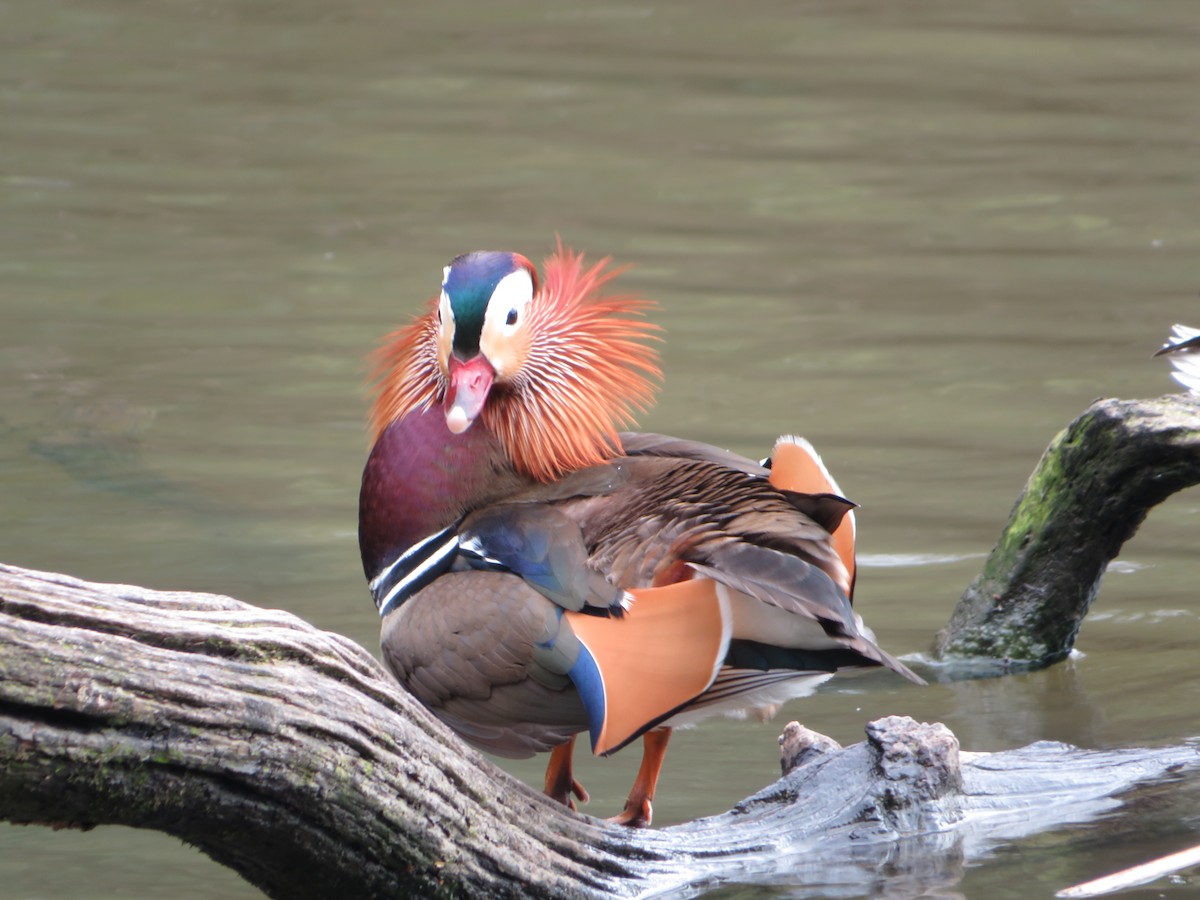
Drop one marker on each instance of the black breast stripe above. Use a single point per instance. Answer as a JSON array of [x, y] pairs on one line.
[[414, 569]]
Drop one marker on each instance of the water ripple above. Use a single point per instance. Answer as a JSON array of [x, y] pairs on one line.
[[906, 560]]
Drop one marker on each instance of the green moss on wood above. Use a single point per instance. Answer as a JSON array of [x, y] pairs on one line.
[[1089, 492]]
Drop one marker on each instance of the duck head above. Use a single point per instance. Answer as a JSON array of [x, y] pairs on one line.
[[483, 328], [551, 368]]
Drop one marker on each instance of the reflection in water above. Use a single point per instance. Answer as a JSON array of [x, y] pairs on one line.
[[925, 239], [1051, 705], [99, 445], [900, 560]]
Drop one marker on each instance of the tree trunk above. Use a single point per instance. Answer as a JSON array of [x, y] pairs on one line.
[[1089, 493], [289, 755]]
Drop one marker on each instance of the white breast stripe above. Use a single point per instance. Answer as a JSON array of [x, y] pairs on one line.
[[416, 551], [424, 568]]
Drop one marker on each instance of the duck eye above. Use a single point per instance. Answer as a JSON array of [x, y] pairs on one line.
[[512, 317]]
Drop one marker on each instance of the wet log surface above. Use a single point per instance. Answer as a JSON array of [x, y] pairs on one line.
[[1093, 487], [288, 754]]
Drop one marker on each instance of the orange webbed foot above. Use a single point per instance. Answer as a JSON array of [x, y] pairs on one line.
[[636, 814], [638, 810]]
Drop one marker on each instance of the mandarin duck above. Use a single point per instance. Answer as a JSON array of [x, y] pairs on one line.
[[1184, 349], [540, 574]]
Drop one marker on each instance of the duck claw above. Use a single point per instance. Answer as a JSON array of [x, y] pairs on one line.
[[568, 795], [636, 814]]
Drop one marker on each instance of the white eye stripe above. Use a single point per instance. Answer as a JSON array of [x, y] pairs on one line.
[[445, 278], [512, 294]]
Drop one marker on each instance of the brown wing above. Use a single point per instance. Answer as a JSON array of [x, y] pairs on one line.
[[675, 511], [645, 443], [675, 518]]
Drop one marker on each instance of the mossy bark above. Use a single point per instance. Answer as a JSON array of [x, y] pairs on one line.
[[1089, 493]]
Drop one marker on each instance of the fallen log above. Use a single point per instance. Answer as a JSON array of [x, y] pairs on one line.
[[1093, 487], [289, 755]]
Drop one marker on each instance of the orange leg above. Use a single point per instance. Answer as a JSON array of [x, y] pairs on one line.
[[638, 809], [560, 780]]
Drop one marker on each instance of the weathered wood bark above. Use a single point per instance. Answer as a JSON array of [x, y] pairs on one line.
[[289, 755], [1089, 493], [283, 752]]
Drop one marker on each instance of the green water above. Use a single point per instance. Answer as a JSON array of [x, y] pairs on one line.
[[925, 235]]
